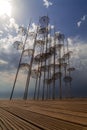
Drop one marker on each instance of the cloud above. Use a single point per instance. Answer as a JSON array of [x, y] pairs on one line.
[[8, 24], [8, 52], [79, 57], [3, 62], [47, 3], [84, 18], [33, 28], [9, 56], [81, 20], [1, 33], [13, 23], [79, 23]]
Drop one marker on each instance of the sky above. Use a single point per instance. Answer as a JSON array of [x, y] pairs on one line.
[[68, 16]]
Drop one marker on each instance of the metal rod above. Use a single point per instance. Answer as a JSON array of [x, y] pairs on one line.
[[43, 93], [60, 80], [29, 72], [53, 89], [19, 63], [39, 85], [36, 84]]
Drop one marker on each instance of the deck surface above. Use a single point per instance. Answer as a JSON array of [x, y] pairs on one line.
[[43, 115]]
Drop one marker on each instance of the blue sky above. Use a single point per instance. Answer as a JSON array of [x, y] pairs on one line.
[[65, 14], [68, 16]]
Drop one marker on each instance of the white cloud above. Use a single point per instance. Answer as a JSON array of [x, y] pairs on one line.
[[13, 24], [3, 62], [79, 48], [84, 18], [79, 23], [81, 20], [6, 43], [8, 24], [6, 29], [47, 3], [34, 27], [1, 33], [52, 26]]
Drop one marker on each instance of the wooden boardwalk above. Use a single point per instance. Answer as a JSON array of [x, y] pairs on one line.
[[43, 115]]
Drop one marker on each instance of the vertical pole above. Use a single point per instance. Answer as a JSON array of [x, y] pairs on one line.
[[54, 75], [19, 63], [29, 72], [36, 84], [40, 75], [48, 79], [35, 88], [44, 81], [48, 85], [38, 92], [60, 80]]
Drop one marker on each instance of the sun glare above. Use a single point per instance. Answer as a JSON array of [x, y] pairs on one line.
[[5, 7]]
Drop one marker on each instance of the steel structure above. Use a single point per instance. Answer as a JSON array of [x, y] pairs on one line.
[[50, 57]]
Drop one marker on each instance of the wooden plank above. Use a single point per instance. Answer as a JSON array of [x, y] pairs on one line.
[[43, 115]]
